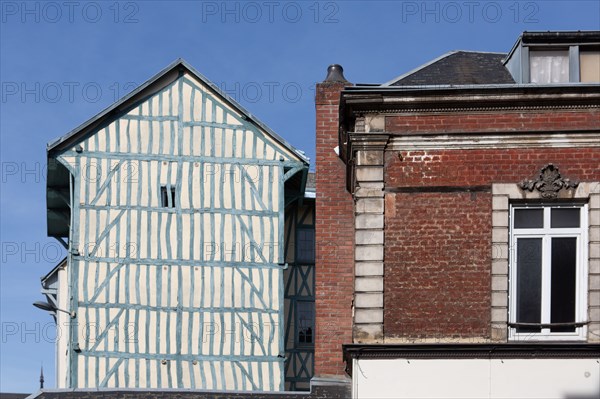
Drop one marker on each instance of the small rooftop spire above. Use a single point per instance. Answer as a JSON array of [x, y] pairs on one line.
[[42, 377], [335, 73]]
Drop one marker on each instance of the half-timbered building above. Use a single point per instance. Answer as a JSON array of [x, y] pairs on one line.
[[172, 206]]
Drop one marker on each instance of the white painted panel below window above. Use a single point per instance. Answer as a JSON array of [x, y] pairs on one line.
[[476, 378]]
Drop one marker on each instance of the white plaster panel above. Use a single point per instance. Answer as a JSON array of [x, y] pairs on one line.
[[476, 378]]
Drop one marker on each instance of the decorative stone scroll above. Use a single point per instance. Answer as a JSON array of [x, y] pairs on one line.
[[549, 183]]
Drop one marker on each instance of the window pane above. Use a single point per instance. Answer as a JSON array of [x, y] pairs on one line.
[[565, 217], [166, 200], [589, 66], [549, 66], [529, 218], [305, 322], [529, 282], [305, 243], [562, 302]]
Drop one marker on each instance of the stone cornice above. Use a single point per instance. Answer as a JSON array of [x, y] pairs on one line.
[[471, 99], [475, 109], [367, 141], [494, 140]]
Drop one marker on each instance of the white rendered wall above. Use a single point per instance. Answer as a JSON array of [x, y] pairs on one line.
[[476, 378], [62, 329]]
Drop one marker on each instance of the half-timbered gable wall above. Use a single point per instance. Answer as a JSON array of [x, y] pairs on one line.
[[176, 246]]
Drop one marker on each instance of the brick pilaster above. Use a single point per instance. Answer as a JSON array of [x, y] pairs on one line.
[[334, 239]]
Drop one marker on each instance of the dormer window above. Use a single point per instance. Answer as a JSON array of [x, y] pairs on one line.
[[549, 66], [548, 58]]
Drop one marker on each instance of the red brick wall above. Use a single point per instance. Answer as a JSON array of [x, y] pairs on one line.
[[484, 167], [506, 121], [334, 239], [438, 245], [437, 265]]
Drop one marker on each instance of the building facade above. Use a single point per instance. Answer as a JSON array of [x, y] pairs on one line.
[[460, 255], [188, 232]]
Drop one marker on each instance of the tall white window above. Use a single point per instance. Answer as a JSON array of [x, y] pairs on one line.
[[548, 269]]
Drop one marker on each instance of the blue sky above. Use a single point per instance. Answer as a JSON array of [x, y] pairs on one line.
[[63, 62]]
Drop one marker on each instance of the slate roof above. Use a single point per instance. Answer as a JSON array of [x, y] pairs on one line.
[[310, 190], [458, 68], [311, 181]]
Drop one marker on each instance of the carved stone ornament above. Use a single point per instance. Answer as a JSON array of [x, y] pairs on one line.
[[549, 183]]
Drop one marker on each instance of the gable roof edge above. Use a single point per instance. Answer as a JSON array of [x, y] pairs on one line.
[[53, 271]]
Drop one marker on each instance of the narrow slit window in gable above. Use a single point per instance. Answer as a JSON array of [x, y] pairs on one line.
[[167, 201]]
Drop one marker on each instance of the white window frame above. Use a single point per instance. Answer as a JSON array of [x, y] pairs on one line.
[[546, 233]]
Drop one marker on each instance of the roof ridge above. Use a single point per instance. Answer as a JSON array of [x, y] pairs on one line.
[[480, 52]]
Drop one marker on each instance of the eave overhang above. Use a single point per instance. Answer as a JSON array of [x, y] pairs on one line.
[[52, 274], [519, 350], [58, 199]]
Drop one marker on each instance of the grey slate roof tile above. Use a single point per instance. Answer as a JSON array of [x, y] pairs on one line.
[[459, 68]]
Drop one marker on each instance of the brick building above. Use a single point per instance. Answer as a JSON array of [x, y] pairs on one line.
[[459, 255]]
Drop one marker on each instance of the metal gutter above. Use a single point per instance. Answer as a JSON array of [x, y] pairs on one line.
[[468, 87], [561, 37]]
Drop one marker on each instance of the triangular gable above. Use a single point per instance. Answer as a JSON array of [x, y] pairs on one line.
[[165, 78], [134, 126]]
